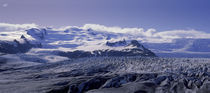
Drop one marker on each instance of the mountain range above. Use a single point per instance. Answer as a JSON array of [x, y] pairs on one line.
[[72, 43], [86, 42]]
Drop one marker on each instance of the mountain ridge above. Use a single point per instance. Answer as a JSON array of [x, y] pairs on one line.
[[71, 39], [49, 39]]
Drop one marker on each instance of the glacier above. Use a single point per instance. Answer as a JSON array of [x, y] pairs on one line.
[[106, 75]]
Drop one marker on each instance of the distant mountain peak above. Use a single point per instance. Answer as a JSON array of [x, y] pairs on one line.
[[117, 43], [135, 43], [22, 37]]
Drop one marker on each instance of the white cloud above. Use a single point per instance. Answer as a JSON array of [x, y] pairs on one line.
[[5, 5], [150, 35], [98, 27], [12, 27], [182, 34]]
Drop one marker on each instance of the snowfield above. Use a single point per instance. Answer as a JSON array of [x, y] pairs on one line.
[[104, 75]]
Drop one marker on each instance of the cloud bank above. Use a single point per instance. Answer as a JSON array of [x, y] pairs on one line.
[[15, 27], [149, 35]]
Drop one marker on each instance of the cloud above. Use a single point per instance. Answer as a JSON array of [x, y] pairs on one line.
[[5, 5], [115, 29], [151, 35], [15, 27]]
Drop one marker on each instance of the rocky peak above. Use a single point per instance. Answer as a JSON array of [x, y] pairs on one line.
[[117, 43], [23, 37], [135, 43]]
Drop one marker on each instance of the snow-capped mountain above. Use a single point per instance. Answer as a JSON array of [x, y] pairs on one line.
[[73, 42], [96, 39]]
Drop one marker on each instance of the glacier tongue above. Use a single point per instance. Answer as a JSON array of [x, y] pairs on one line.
[[107, 75]]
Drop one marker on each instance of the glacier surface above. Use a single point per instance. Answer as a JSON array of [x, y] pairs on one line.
[[104, 75]]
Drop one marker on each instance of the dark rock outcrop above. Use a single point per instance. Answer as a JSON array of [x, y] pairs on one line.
[[116, 44]]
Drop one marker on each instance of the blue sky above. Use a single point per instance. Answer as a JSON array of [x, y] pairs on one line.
[[159, 14]]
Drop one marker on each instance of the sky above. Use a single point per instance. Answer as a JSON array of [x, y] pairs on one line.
[[162, 15]]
